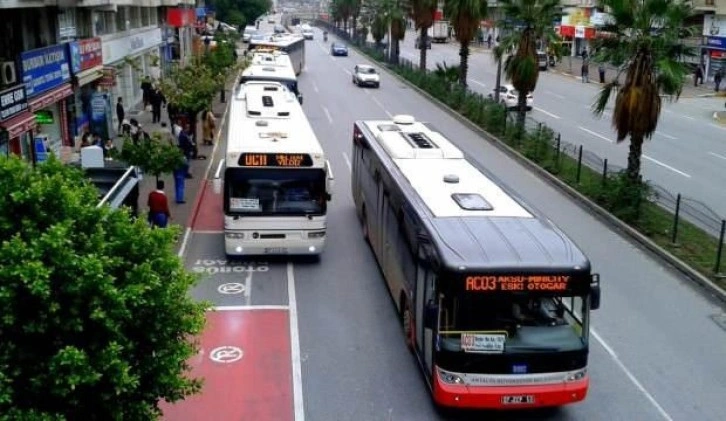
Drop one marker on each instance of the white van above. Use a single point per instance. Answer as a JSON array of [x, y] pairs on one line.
[[307, 31], [248, 32]]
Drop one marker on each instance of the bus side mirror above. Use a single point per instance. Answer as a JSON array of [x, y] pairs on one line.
[[300, 98], [330, 180], [595, 292], [217, 182], [431, 313]]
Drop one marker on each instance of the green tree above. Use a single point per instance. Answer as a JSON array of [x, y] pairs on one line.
[[154, 156], [191, 89], [646, 44], [465, 16], [240, 12], [97, 320], [423, 12], [527, 22]]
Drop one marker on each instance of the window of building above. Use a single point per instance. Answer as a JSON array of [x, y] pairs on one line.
[[153, 16], [67, 27], [104, 23], [134, 17], [120, 19]]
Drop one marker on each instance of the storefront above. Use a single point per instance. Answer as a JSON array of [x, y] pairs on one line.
[[46, 74], [87, 69], [16, 123], [576, 30], [713, 50], [133, 57]]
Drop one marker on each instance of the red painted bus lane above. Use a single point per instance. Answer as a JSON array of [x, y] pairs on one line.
[[246, 366]]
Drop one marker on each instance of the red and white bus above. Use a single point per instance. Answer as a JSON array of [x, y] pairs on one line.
[[494, 299]]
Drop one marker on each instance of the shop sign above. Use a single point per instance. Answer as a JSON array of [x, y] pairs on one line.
[[714, 25], [85, 54], [44, 69], [178, 17], [716, 42], [12, 102], [117, 49], [576, 16], [109, 77], [579, 32]]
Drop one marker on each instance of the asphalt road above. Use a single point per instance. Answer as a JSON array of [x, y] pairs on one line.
[[655, 352], [687, 154]]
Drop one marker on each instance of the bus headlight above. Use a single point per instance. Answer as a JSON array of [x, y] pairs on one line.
[[234, 235], [316, 234], [576, 375], [449, 378]]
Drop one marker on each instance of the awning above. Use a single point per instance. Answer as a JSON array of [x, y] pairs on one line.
[[89, 75], [50, 97], [19, 124]]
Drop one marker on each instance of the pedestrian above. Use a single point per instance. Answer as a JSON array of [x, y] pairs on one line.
[[171, 111], [209, 126], [97, 141], [187, 146], [108, 149], [120, 114], [180, 175], [159, 214], [601, 71], [717, 78], [489, 41], [146, 90], [157, 99], [585, 72], [698, 77]]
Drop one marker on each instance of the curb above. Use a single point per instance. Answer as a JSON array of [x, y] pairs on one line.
[[581, 199]]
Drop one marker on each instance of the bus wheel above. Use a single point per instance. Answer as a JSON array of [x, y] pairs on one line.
[[407, 322]]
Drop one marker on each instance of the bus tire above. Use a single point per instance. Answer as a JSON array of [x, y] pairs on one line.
[[407, 323]]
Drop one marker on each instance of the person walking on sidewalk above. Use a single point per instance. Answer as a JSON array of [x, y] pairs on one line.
[[601, 71], [187, 146], [159, 214], [146, 90], [585, 72], [208, 129], [717, 78], [157, 100], [698, 77], [120, 114], [180, 178]]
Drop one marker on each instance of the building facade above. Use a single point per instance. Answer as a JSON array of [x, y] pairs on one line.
[[64, 63]]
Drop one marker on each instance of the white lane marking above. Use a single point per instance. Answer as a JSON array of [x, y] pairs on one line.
[[381, 105], [555, 95], [595, 134], [687, 116], [295, 347], [631, 376], [315, 87], [188, 230], [350, 167], [327, 114], [348, 71], [717, 155], [478, 83], [243, 308], [675, 170], [666, 136], [547, 113], [248, 287]]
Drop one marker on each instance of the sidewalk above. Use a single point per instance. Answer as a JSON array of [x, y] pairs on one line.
[[181, 213]]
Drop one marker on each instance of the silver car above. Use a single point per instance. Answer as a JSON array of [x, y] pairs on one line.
[[365, 75]]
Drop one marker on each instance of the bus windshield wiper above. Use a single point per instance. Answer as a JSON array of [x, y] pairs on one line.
[[531, 348]]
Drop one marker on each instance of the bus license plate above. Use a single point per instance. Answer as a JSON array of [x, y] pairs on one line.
[[518, 399], [275, 250]]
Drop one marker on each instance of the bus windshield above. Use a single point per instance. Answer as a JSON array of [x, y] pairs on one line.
[[290, 84], [512, 324], [273, 191]]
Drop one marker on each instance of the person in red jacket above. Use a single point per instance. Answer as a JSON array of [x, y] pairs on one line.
[[159, 214]]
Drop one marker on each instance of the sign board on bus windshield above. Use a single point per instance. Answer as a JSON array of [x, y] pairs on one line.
[[518, 283], [275, 160]]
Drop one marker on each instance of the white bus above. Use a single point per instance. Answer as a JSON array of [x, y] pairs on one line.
[[277, 181], [292, 44], [272, 66]]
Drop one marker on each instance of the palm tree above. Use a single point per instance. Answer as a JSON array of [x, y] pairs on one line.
[[527, 22], [392, 14], [423, 12], [645, 44], [465, 16]]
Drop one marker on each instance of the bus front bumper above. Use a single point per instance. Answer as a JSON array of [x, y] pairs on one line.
[[509, 397], [239, 247]]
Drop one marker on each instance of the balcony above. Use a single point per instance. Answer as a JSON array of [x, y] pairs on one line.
[[706, 5]]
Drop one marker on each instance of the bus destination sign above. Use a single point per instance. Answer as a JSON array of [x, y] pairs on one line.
[[514, 283], [275, 160]]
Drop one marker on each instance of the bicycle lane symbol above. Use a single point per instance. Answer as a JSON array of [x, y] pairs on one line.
[[232, 288], [226, 354]]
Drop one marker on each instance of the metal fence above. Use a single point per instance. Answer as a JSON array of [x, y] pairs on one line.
[[678, 204]]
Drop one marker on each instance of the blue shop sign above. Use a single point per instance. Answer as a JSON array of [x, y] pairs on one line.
[[44, 69], [716, 42]]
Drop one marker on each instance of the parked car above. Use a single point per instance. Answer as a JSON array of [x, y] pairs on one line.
[[417, 43], [542, 60], [338, 49], [366, 75], [508, 96], [248, 32]]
